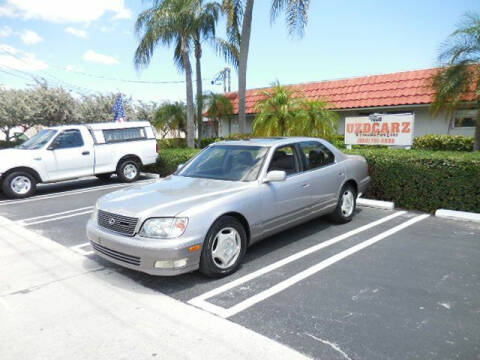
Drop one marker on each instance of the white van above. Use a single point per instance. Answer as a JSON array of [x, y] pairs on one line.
[[73, 151]]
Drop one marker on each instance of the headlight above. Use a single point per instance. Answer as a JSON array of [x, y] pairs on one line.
[[165, 228]]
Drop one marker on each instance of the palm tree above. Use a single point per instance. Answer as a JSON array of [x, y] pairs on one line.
[[219, 108], [277, 111], [296, 16], [205, 20], [171, 117], [460, 73], [169, 22], [316, 120]]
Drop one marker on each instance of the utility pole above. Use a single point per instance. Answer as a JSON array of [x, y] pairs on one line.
[[224, 77]]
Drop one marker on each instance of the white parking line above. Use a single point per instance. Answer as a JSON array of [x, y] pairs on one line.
[[53, 219], [71, 192], [79, 249], [199, 300], [55, 214], [316, 268]]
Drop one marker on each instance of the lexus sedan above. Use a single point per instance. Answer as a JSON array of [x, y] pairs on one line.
[[229, 196]]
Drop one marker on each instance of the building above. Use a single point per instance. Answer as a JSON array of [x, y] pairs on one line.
[[402, 92]]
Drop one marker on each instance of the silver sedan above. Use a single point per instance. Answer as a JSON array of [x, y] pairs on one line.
[[229, 196]]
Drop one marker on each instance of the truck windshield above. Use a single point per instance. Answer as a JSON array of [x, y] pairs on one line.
[[227, 162], [39, 140]]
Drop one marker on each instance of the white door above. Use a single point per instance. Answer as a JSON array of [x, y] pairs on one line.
[[70, 155]]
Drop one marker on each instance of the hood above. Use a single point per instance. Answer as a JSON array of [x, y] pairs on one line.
[[16, 157], [168, 197]]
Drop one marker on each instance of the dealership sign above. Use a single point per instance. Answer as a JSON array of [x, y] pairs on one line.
[[379, 129]]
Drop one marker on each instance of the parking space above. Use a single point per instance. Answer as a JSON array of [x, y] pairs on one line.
[[389, 284]]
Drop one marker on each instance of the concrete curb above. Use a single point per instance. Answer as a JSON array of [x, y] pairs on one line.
[[458, 215], [150, 175], [386, 205]]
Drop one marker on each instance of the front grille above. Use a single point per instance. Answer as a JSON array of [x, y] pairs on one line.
[[117, 255], [118, 223]]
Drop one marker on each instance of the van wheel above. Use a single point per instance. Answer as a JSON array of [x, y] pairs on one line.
[[104, 177], [128, 171], [347, 203], [224, 247], [19, 185]]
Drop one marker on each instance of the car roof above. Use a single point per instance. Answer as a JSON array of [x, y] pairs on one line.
[[267, 141], [104, 125]]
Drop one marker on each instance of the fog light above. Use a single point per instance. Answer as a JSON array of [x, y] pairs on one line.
[[170, 264]]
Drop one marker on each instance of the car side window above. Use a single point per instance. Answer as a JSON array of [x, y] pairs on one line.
[[315, 155], [69, 139], [285, 159]]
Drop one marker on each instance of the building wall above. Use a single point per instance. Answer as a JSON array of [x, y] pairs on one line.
[[424, 122]]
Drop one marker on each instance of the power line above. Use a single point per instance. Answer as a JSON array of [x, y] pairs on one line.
[[15, 75]]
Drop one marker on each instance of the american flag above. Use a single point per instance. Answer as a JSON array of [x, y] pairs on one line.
[[119, 110]]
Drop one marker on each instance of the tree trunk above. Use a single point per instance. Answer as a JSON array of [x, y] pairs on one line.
[[476, 138], [242, 65], [198, 56], [189, 91]]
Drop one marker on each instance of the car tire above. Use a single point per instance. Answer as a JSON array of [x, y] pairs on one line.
[[128, 171], [218, 262], [19, 185], [104, 177], [347, 203]]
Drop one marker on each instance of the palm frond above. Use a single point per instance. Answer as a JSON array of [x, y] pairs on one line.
[[296, 14]]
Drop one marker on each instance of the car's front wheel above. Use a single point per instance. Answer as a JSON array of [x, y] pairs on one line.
[[224, 247], [346, 205], [19, 184]]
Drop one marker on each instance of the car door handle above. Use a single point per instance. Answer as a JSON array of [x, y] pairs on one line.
[[306, 185], [86, 153]]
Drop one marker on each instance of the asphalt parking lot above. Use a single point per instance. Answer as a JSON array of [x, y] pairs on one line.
[[388, 285]]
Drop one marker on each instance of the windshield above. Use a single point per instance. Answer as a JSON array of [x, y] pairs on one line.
[[227, 162], [39, 140]]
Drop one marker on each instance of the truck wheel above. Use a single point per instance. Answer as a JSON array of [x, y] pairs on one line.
[[223, 248], [128, 171], [104, 177], [347, 203], [19, 184]]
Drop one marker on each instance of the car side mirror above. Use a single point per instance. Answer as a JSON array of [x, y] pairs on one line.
[[180, 166], [275, 175]]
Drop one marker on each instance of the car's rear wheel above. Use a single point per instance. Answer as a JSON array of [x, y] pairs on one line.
[[128, 170], [347, 203], [224, 247], [19, 184]]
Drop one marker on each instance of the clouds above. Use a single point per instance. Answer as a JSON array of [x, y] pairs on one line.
[[30, 37], [76, 32], [61, 11], [16, 59], [94, 57], [5, 31]]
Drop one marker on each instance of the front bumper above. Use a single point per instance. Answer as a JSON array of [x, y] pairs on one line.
[[141, 254]]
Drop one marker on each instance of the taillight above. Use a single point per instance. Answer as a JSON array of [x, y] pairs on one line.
[[156, 147]]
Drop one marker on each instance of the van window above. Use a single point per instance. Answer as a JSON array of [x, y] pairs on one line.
[[68, 139], [119, 135]]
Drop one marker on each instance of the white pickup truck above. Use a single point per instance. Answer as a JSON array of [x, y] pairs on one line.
[[74, 151]]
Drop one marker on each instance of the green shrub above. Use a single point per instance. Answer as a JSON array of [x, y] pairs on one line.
[[444, 143], [169, 159], [174, 143], [207, 141], [11, 144], [424, 180]]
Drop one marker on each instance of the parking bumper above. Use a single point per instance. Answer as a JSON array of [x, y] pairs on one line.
[[141, 254]]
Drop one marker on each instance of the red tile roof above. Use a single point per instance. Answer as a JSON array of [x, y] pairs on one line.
[[402, 88]]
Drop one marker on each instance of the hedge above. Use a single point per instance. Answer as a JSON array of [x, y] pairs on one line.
[[413, 179], [444, 143], [424, 180], [13, 143], [169, 159]]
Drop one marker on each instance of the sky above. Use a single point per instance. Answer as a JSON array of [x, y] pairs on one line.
[[87, 46]]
